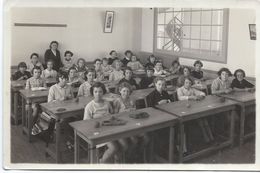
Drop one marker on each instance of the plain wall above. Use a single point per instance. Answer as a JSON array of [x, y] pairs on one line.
[[241, 50], [83, 35]]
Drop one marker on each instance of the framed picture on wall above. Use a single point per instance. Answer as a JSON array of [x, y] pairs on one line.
[[252, 31], [108, 25]]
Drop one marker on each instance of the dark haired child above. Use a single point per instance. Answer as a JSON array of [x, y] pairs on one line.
[[98, 108], [175, 67], [21, 73], [127, 58], [113, 57], [117, 74], [185, 72], [158, 69], [34, 62], [151, 61], [84, 89], [240, 83], [98, 69], [106, 68], [197, 73], [74, 80], [81, 68], [128, 73], [222, 84], [135, 64], [147, 81], [68, 62]]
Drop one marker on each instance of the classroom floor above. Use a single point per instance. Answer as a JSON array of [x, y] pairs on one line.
[[24, 152]]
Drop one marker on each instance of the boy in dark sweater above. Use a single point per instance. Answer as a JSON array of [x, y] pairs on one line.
[[21, 74], [147, 82]]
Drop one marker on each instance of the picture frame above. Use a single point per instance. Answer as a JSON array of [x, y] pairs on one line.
[[252, 31], [109, 20]]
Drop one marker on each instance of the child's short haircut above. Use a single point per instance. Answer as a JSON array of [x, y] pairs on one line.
[[128, 51], [224, 69], [185, 67], [239, 70], [68, 52], [104, 59], [175, 62], [158, 79], [72, 68], [149, 68], [97, 60], [150, 56], [127, 68], [36, 68], [34, 54], [22, 64], [98, 85], [189, 78], [53, 42], [115, 61], [88, 71], [198, 62], [112, 51], [125, 85], [62, 74]]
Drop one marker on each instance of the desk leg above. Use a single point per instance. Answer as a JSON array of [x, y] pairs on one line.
[[93, 154], [171, 145], [145, 102], [23, 113], [57, 145], [182, 136], [232, 126], [15, 108], [242, 125], [29, 121], [76, 147]]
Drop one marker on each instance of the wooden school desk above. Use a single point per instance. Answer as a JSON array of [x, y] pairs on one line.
[[211, 105], [141, 94], [16, 86], [246, 102], [93, 136], [28, 98], [73, 109]]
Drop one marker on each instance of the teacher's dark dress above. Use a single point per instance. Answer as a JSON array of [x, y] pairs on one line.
[[56, 59]]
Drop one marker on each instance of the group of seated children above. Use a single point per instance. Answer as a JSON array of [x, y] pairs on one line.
[[91, 85]]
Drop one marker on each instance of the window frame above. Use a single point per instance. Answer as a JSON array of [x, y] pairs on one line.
[[222, 58]]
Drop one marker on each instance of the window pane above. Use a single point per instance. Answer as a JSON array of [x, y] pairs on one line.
[[206, 17], [215, 46], [160, 18], [186, 17], [216, 33], [160, 43], [185, 44], [186, 31], [205, 32], [195, 19], [195, 44], [195, 32], [205, 45], [160, 30], [217, 17], [168, 17]]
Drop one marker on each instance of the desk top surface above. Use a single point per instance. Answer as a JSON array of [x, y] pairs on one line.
[[186, 108], [240, 96], [72, 105], [156, 118]]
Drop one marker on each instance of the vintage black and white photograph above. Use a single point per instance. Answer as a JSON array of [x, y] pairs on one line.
[[172, 85]]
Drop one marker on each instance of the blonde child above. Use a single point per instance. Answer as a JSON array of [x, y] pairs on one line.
[[117, 74], [135, 64], [49, 72]]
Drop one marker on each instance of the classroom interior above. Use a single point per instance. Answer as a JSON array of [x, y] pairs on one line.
[[81, 30]]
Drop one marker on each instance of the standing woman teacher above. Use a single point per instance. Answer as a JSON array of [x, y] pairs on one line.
[[53, 54]]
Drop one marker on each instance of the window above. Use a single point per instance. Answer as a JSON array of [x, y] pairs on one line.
[[192, 33]]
